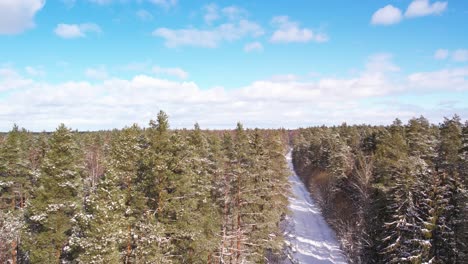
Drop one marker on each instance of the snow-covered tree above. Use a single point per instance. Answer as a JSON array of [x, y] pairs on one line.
[[56, 201]]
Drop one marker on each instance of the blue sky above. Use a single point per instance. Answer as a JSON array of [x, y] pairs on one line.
[[99, 64]]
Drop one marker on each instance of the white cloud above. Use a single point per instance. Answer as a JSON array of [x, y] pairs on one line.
[[233, 12], [35, 72], [144, 15], [101, 2], [284, 78], [164, 3], [10, 80], [460, 55], [381, 62], [209, 38], [211, 13], [447, 79], [70, 31], [281, 101], [441, 54], [253, 46], [69, 3], [387, 15], [177, 72], [289, 31], [99, 73], [17, 16], [419, 8]]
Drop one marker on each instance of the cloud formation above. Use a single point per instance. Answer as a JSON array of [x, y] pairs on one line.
[[70, 31], [209, 38], [18, 16], [176, 72], [253, 46], [419, 8], [459, 55], [164, 3], [390, 15], [370, 96], [387, 15], [441, 54], [144, 15], [289, 31], [99, 73]]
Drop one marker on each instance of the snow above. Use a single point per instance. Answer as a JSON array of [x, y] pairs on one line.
[[309, 237]]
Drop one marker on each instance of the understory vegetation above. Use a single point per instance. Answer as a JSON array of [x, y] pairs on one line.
[[394, 194], [136, 195]]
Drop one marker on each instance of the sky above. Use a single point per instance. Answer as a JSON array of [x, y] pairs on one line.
[[103, 64]]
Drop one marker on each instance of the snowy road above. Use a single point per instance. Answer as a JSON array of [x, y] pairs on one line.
[[310, 238]]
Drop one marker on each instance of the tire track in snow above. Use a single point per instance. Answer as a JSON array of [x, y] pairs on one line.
[[309, 237]]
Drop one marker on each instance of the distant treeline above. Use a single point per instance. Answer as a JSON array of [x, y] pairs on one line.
[[137, 195], [394, 194]]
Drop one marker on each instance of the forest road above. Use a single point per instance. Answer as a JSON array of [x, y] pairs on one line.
[[309, 237]]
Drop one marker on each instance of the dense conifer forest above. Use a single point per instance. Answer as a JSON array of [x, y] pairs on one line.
[[394, 194], [137, 195]]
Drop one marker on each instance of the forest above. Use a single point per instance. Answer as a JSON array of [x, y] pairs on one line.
[[392, 194], [135, 195]]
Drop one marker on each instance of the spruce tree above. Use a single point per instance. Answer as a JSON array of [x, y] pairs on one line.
[[56, 201], [15, 178]]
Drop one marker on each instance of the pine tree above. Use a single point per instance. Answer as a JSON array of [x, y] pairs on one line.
[[205, 216], [266, 192], [421, 140], [117, 225], [405, 241], [56, 200], [224, 188], [15, 187], [449, 162]]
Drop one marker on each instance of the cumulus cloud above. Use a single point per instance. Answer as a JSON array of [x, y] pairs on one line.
[[101, 2], [253, 46], [99, 73], [441, 54], [176, 72], [34, 71], [281, 101], [387, 15], [290, 31], [381, 62], [17, 16], [460, 55], [390, 15], [419, 8], [447, 79], [144, 15], [233, 12], [211, 13], [164, 3], [209, 38], [11, 80], [69, 31]]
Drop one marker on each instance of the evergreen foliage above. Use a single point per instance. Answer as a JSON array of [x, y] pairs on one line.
[[404, 201]]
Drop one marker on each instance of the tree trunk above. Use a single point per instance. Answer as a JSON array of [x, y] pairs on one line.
[[57, 255], [13, 252], [239, 230], [129, 245]]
